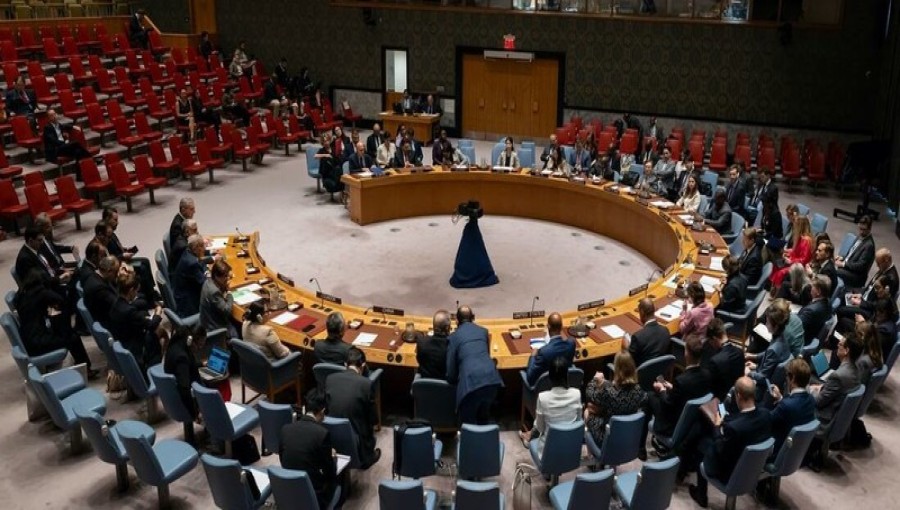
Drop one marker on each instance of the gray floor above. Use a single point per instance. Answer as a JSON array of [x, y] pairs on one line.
[[304, 236]]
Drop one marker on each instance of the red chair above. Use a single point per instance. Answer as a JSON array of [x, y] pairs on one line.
[[330, 118], [70, 49], [204, 155], [69, 107], [111, 157], [51, 52], [121, 75], [37, 178], [108, 47], [156, 43], [124, 135], [71, 200], [241, 150], [122, 182], [46, 32], [160, 162], [159, 78], [97, 121], [286, 138], [114, 110], [39, 202], [34, 69], [247, 91], [260, 147], [145, 87], [321, 126], [790, 166], [85, 38], [10, 207], [29, 44], [63, 31], [717, 157], [190, 167], [93, 183], [217, 148], [766, 157], [695, 146], [105, 83], [203, 69], [815, 172], [266, 134], [63, 83], [76, 134], [144, 171], [8, 172], [155, 110], [134, 67], [122, 41], [209, 101], [180, 61], [25, 137], [79, 73], [8, 53], [143, 128], [628, 144], [130, 96], [675, 146], [742, 153], [42, 91]]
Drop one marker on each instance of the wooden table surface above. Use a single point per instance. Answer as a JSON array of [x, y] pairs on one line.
[[423, 124]]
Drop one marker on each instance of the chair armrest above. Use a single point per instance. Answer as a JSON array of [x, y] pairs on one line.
[[525, 383], [51, 358], [738, 317], [375, 376], [287, 360], [190, 321], [80, 369], [217, 334]]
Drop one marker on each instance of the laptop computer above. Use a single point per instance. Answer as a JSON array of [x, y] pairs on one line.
[[821, 365], [217, 364]]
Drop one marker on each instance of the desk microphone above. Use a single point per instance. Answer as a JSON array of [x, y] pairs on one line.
[[650, 278], [240, 235], [321, 294], [366, 311], [531, 315]]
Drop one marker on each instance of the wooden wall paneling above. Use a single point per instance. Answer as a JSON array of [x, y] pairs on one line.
[[545, 97], [519, 97], [496, 92], [203, 16]]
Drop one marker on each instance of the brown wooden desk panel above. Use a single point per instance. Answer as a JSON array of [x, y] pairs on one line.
[[422, 124]]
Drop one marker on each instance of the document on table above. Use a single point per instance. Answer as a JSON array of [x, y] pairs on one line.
[[671, 281], [503, 168], [671, 311], [253, 287], [284, 318], [763, 331], [341, 462], [233, 410], [365, 339], [243, 297], [218, 243], [662, 204], [715, 263], [613, 331], [709, 283]]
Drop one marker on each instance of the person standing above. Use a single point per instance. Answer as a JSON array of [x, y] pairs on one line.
[[470, 367]]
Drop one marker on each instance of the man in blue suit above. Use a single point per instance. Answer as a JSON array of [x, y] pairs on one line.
[[798, 407], [470, 367], [190, 275], [557, 346]]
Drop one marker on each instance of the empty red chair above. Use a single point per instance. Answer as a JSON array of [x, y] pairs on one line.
[[256, 144], [8, 53], [114, 110], [111, 157], [180, 61], [190, 167], [97, 121], [39, 202], [240, 149], [8, 172], [10, 207], [205, 156], [69, 107], [76, 134], [156, 110], [106, 84], [203, 69], [25, 137], [717, 156], [122, 41], [51, 52], [143, 128], [675, 146], [37, 178], [156, 43], [628, 144], [93, 183], [70, 199], [79, 73], [160, 162], [34, 68], [215, 62], [247, 91], [42, 91], [124, 135], [28, 43], [160, 79], [322, 126], [330, 118], [286, 138], [130, 96], [69, 47], [790, 166], [265, 134], [766, 157], [63, 83], [134, 67], [108, 47], [145, 87], [121, 75], [695, 146], [63, 31], [217, 148], [815, 172], [122, 182], [84, 36], [742, 154], [144, 172]]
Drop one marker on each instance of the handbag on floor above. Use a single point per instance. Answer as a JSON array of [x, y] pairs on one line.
[[245, 450], [522, 486]]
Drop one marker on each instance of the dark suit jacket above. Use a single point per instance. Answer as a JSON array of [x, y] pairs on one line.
[[181, 363], [27, 261], [814, 315], [372, 144], [431, 355], [306, 446], [751, 264], [347, 148], [99, 298], [694, 382], [764, 193], [651, 341], [719, 219], [794, 409], [84, 272], [841, 382], [725, 366], [331, 350], [53, 253], [176, 231], [19, 105], [188, 283], [735, 194], [132, 327], [856, 267], [359, 164], [400, 159], [434, 108], [772, 225], [37, 336], [469, 363], [774, 355], [52, 142], [738, 431], [541, 360], [733, 294], [828, 269], [349, 395]]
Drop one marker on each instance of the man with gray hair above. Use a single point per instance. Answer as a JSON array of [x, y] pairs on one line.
[[49, 249], [188, 228], [431, 351], [101, 291], [332, 349], [186, 211], [190, 274]]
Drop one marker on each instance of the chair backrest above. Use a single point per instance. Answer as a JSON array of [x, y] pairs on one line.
[[102, 338], [435, 401], [312, 164], [255, 366], [892, 356], [21, 128], [846, 244], [790, 456], [872, 388], [780, 375], [323, 370], [292, 488], [212, 407], [140, 453], [562, 450], [591, 490], [142, 167], [688, 415], [746, 472], [479, 451], [119, 175], [162, 262], [272, 418], [763, 278], [477, 495], [131, 371], [418, 453], [224, 477], [819, 223], [10, 299], [840, 422], [11, 328], [622, 440], [650, 369], [38, 199], [185, 158], [408, 495], [100, 436], [655, 485], [22, 360], [48, 397], [168, 394], [343, 438], [84, 313], [203, 152]]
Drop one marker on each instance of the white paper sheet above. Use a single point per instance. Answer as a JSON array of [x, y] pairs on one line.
[[243, 297], [709, 283], [662, 204], [715, 263], [670, 312], [365, 339], [284, 318], [763, 331], [253, 287], [233, 410], [341, 461], [503, 169], [613, 331], [218, 243], [795, 307]]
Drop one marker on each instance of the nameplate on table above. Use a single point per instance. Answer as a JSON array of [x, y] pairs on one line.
[[642, 201], [612, 189], [502, 169], [241, 239], [591, 305], [637, 290], [528, 315], [286, 279], [417, 169], [387, 310], [252, 270], [459, 168], [328, 297], [665, 216]]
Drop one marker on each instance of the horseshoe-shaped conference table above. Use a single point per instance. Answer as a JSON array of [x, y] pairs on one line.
[[659, 232]]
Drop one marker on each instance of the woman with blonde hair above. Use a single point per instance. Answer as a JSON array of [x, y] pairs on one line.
[[800, 253], [606, 399]]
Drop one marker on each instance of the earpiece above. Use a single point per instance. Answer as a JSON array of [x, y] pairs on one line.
[[190, 340]]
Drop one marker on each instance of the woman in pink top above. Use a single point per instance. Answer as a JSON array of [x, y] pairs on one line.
[[697, 312]]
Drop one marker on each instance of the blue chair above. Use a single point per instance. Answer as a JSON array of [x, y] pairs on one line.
[[526, 157], [652, 368], [219, 421], [84, 313], [106, 443], [312, 165], [344, 439], [650, 488], [846, 244], [495, 152], [162, 263], [530, 393], [737, 225], [875, 382], [63, 382], [321, 371], [621, 442], [588, 490], [264, 376], [171, 400], [759, 285], [478, 496], [562, 450], [892, 356], [837, 429], [465, 142], [469, 152], [746, 472], [227, 482], [10, 298], [292, 489], [15, 275], [789, 457], [167, 244], [803, 209], [684, 425], [736, 247], [704, 204], [136, 382], [712, 179], [186, 322], [160, 464], [103, 338], [435, 400], [420, 452], [818, 224], [838, 292], [479, 451], [408, 495], [273, 418], [62, 409], [44, 361], [742, 320]]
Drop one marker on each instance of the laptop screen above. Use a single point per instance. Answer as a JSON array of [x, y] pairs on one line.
[[820, 362], [218, 360]]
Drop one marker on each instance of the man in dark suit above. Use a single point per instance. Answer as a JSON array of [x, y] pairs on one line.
[[440, 147], [31, 257], [550, 148], [735, 192], [718, 216], [374, 140], [668, 399], [766, 191], [101, 291], [430, 106], [652, 340], [815, 314], [842, 381], [51, 250], [306, 446], [556, 347], [798, 407], [349, 395], [189, 277], [19, 101], [57, 143], [360, 161], [431, 352], [333, 349], [750, 261], [132, 327], [723, 359], [92, 256], [186, 210], [138, 35], [863, 301], [732, 294], [471, 369], [731, 435], [406, 156], [141, 265], [854, 268]]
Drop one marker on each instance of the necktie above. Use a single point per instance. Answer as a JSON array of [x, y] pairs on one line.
[[853, 249], [870, 285], [46, 264]]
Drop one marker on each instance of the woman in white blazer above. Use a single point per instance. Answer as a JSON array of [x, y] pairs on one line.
[[257, 333]]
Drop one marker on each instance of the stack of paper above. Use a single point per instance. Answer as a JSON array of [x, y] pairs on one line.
[[244, 296], [365, 339], [218, 243], [715, 263], [709, 283], [613, 331], [503, 168], [284, 318], [670, 312], [363, 174]]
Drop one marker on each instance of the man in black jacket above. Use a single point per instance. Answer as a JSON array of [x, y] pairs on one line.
[[100, 290], [57, 143], [651, 341], [669, 399], [735, 287], [718, 216], [31, 257], [306, 446], [854, 268], [132, 327], [815, 314], [431, 352], [332, 349], [723, 359], [186, 210], [750, 261], [349, 395]]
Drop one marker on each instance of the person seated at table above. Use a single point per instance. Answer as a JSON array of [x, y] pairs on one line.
[[440, 146], [801, 253], [349, 395], [430, 106], [796, 286], [57, 143], [557, 346], [664, 169], [735, 192], [255, 331], [718, 215], [306, 446], [605, 399], [723, 359], [885, 320], [652, 340], [374, 141], [696, 311], [854, 268], [454, 156], [732, 293], [762, 365], [215, 300], [556, 161], [579, 158], [647, 182], [861, 306], [360, 161], [750, 260], [386, 152], [332, 349], [508, 156], [133, 327], [690, 199], [559, 404], [431, 351], [872, 358], [180, 360], [821, 264], [416, 145], [406, 157], [189, 277]]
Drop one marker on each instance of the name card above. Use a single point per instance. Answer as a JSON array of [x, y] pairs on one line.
[[528, 315], [286, 279], [328, 297], [387, 310], [591, 305], [637, 290]]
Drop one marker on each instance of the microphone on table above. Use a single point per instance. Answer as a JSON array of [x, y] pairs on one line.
[[321, 294], [240, 235], [650, 278], [531, 315]]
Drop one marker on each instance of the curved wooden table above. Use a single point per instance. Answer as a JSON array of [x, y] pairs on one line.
[[657, 234]]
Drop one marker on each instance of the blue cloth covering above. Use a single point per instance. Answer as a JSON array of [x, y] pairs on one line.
[[472, 268]]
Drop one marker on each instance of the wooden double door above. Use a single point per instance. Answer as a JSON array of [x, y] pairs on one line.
[[508, 97]]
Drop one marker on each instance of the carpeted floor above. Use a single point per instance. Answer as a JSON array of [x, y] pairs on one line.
[[305, 236]]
